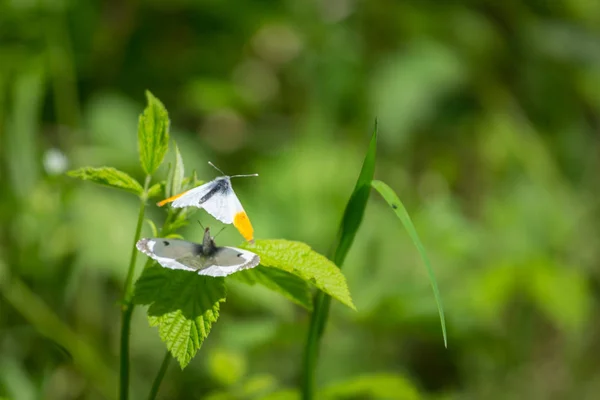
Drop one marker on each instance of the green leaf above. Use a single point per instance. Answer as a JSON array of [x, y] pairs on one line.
[[351, 220], [377, 386], [181, 219], [156, 189], [191, 181], [299, 259], [153, 134], [392, 199], [355, 209], [108, 176], [290, 286], [183, 305], [175, 177]]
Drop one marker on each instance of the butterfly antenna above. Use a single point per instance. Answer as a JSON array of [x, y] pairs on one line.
[[243, 176], [222, 229], [201, 224], [215, 167]]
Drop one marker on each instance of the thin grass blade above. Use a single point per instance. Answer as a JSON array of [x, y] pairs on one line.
[[392, 199]]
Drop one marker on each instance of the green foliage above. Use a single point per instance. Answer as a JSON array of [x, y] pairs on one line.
[[392, 199], [153, 141], [499, 176], [156, 190], [378, 386], [153, 134], [299, 259], [226, 367], [375, 386], [290, 286], [561, 292], [175, 176], [286, 394], [183, 305], [355, 209], [108, 176]]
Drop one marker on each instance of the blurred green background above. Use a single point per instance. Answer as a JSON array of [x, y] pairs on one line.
[[489, 114]]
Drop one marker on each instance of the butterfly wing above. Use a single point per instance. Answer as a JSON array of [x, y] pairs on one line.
[[224, 205], [173, 253], [240, 218], [228, 260], [217, 205], [188, 256], [212, 196], [219, 200], [192, 197]]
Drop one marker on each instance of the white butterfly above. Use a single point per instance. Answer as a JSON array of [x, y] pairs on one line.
[[205, 259], [218, 199]]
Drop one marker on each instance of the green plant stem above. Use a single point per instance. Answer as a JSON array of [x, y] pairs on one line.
[[128, 306], [124, 358], [311, 351], [160, 375]]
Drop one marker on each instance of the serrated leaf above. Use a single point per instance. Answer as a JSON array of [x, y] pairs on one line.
[[108, 176], [176, 175], [153, 134], [290, 286], [156, 189], [299, 259], [392, 199], [183, 305]]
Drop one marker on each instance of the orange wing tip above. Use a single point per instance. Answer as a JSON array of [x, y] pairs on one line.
[[170, 199], [243, 225]]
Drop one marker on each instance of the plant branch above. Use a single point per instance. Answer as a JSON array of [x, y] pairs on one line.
[[134, 252], [128, 306]]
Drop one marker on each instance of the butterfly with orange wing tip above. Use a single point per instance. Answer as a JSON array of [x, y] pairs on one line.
[[218, 199]]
